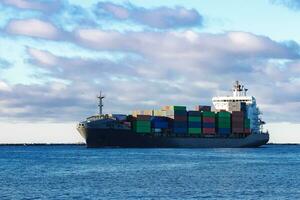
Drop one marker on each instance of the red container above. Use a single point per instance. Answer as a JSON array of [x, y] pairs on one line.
[[237, 130], [180, 118], [143, 117], [237, 113], [209, 131], [238, 121], [247, 130], [203, 108], [208, 120]]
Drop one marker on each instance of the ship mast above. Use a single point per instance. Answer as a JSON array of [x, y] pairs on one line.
[[100, 105], [239, 90]]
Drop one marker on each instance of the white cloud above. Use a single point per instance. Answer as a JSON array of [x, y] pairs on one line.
[[43, 57], [4, 86], [33, 28], [34, 5], [160, 17]]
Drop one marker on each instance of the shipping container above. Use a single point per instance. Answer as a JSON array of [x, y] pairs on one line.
[[195, 131], [182, 131], [247, 123], [203, 108], [143, 123], [142, 112], [174, 108], [208, 125], [208, 114], [194, 124], [237, 130], [208, 120], [208, 131], [237, 113], [159, 124], [143, 117], [180, 125], [194, 119], [194, 113], [142, 129], [180, 118], [223, 114], [224, 131]]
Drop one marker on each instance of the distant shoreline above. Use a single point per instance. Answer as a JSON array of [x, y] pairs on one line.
[[82, 144]]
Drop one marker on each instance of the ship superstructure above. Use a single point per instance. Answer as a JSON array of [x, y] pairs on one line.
[[236, 102]]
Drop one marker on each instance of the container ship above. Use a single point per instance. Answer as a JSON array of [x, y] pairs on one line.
[[232, 122]]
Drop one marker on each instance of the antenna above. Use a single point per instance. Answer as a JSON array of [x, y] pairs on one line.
[[100, 105]]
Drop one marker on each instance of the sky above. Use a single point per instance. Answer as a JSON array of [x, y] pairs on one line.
[[56, 55]]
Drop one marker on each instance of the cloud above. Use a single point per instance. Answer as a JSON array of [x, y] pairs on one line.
[[4, 86], [189, 51], [180, 68], [33, 28], [81, 69], [292, 4], [49, 6], [238, 43], [167, 68], [160, 17]]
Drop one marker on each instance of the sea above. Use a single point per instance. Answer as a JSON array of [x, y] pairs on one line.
[[75, 172]]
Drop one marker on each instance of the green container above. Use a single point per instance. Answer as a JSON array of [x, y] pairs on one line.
[[224, 125], [195, 131], [143, 129], [179, 108], [143, 123], [224, 122], [224, 119], [208, 114], [142, 126], [223, 114], [194, 118], [247, 123]]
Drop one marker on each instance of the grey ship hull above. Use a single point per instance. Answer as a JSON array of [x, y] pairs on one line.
[[103, 137]]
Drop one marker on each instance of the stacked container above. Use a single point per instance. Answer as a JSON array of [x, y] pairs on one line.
[[142, 124], [237, 122], [208, 123], [223, 123], [142, 112], [178, 115], [159, 124], [194, 123], [203, 108], [247, 130]]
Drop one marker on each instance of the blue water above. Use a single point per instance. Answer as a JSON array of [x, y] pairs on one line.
[[74, 172]]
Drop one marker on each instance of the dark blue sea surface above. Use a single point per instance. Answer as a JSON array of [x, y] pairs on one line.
[[74, 172]]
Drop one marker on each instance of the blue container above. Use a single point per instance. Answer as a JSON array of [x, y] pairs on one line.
[[158, 118], [208, 125], [224, 131], [159, 124], [180, 130], [195, 124], [180, 125]]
